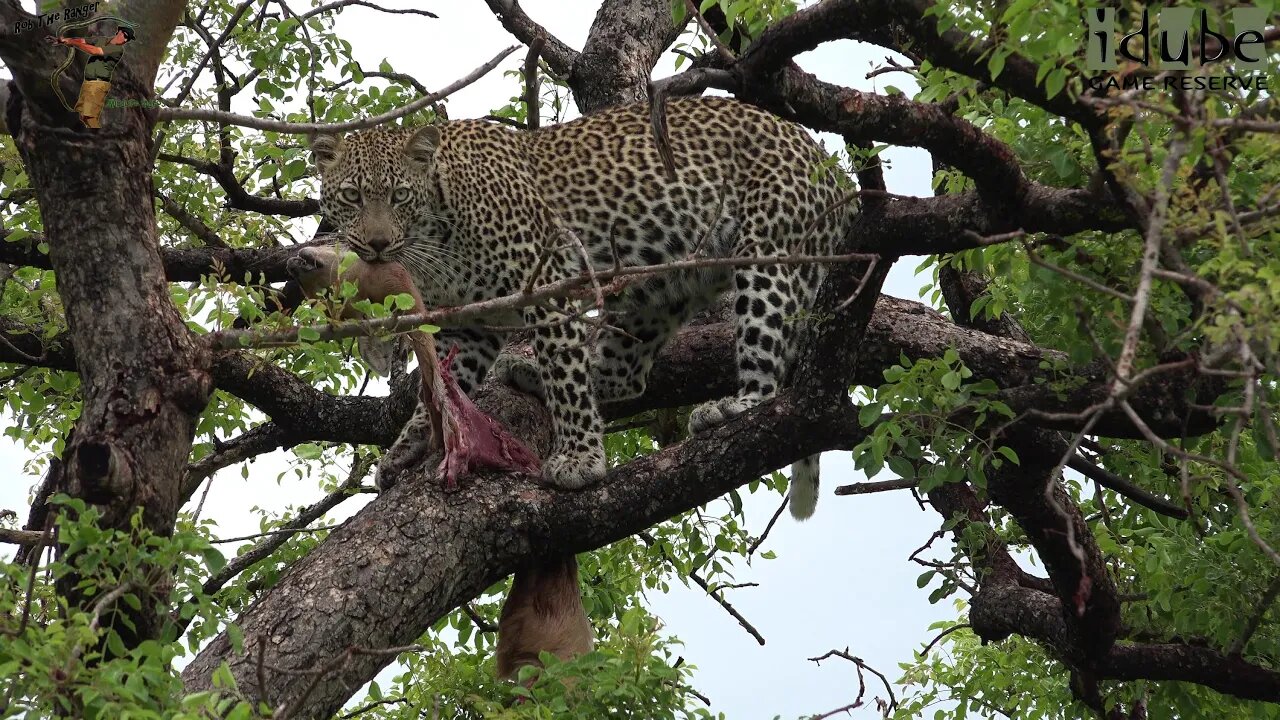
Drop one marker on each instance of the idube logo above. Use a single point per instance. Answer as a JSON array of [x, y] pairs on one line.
[[1178, 38]]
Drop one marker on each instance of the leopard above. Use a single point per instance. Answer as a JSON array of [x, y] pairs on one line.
[[478, 210]]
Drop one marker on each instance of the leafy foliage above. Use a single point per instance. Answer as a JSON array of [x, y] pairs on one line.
[[930, 422]]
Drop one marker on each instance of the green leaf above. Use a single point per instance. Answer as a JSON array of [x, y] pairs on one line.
[[236, 637], [901, 467], [996, 64], [951, 380], [295, 169], [308, 334], [870, 413], [1054, 83], [1261, 438], [213, 559]]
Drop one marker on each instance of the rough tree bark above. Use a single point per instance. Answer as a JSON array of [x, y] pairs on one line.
[[143, 378], [617, 60]]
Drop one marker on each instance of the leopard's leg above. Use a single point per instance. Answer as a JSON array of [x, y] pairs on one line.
[[476, 352], [650, 313], [477, 349], [765, 303], [409, 448], [564, 364], [647, 318], [519, 372]]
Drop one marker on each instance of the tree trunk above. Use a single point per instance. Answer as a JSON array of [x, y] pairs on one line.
[[143, 376]]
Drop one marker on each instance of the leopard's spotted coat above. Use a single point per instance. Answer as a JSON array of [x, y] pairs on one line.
[[474, 208]]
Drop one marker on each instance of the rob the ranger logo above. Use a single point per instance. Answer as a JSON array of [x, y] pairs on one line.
[[1176, 44]]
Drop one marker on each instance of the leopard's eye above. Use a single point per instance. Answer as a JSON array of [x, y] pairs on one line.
[[351, 195], [400, 195]]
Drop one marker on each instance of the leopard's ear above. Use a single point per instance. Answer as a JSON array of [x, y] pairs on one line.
[[324, 150], [422, 144]]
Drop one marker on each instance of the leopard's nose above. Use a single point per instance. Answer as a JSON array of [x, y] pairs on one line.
[[378, 243]]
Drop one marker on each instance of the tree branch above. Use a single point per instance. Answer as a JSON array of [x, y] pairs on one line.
[[241, 199], [423, 535], [1118, 484], [193, 224], [627, 37], [559, 56], [219, 116], [1003, 609], [183, 264]]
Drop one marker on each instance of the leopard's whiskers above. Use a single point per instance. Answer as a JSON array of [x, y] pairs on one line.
[[425, 264]]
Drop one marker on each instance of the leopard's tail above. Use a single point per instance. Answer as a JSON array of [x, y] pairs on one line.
[[804, 487], [543, 611]]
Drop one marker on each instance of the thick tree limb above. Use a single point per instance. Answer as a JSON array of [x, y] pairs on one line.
[[696, 367], [909, 226], [184, 264], [559, 57], [418, 552], [302, 409], [904, 26], [155, 21], [1032, 492], [615, 65], [1004, 609], [30, 63]]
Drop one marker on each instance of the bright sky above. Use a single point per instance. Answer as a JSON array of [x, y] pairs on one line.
[[841, 579]]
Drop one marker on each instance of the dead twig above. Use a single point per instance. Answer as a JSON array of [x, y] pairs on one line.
[[710, 32], [229, 118], [858, 662], [866, 488], [776, 514], [694, 576], [230, 339]]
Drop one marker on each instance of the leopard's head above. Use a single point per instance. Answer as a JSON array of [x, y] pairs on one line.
[[379, 188]]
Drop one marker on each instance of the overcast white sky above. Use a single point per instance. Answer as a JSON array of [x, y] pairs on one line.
[[841, 579]]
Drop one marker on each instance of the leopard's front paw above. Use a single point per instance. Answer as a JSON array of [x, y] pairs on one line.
[[710, 414], [519, 372], [571, 471]]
